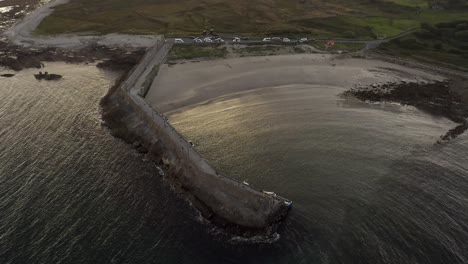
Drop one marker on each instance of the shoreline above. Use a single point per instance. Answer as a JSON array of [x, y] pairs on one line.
[[182, 85], [16, 58], [435, 98]]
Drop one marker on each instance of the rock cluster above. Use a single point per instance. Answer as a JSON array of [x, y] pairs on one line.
[[435, 98]]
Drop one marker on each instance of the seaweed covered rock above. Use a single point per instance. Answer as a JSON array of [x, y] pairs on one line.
[[435, 98]]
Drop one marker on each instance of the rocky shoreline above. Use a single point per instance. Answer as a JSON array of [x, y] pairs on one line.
[[16, 57], [435, 98], [21, 49]]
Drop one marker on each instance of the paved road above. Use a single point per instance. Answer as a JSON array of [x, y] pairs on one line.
[[228, 39], [154, 56]]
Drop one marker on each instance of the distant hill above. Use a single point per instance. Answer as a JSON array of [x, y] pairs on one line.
[[366, 19]]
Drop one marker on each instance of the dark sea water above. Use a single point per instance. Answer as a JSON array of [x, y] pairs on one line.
[[368, 184]]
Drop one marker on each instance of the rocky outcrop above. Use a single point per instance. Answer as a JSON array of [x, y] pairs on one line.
[[17, 57], [436, 98]]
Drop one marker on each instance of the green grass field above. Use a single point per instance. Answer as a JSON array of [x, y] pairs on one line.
[[191, 52], [365, 19], [357, 19], [444, 44]]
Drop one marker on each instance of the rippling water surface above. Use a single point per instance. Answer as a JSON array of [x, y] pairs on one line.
[[367, 182], [70, 192]]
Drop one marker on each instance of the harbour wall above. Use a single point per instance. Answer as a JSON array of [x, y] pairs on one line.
[[220, 199]]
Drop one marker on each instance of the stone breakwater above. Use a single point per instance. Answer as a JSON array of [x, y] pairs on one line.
[[238, 208]]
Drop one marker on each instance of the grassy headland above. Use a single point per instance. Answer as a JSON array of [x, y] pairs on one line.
[[442, 36], [445, 43], [366, 19]]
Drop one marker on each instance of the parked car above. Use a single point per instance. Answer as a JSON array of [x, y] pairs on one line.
[[178, 40], [236, 40], [286, 40], [277, 39], [266, 39], [219, 40], [303, 40], [198, 40], [208, 40]]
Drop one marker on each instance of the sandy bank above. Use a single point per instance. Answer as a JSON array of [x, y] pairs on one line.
[[186, 84], [22, 34]]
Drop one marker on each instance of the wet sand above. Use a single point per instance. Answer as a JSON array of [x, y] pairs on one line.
[[193, 83]]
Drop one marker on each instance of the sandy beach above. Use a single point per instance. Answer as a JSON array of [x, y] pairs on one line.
[[191, 83]]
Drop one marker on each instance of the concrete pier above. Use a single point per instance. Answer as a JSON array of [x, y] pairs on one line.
[[222, 200]]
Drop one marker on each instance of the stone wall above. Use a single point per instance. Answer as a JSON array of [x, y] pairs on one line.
[[220, 199]]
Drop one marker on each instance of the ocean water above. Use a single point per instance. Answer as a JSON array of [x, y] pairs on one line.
[[69, 191], [367, 182]]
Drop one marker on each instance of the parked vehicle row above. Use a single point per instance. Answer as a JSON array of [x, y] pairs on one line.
[[239, 40], [277, 39], [200, 40]]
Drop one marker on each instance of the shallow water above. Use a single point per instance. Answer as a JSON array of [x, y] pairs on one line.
[[367, 182]]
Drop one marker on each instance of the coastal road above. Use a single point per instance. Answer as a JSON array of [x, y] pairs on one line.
[[228, 39], [158, 53]]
